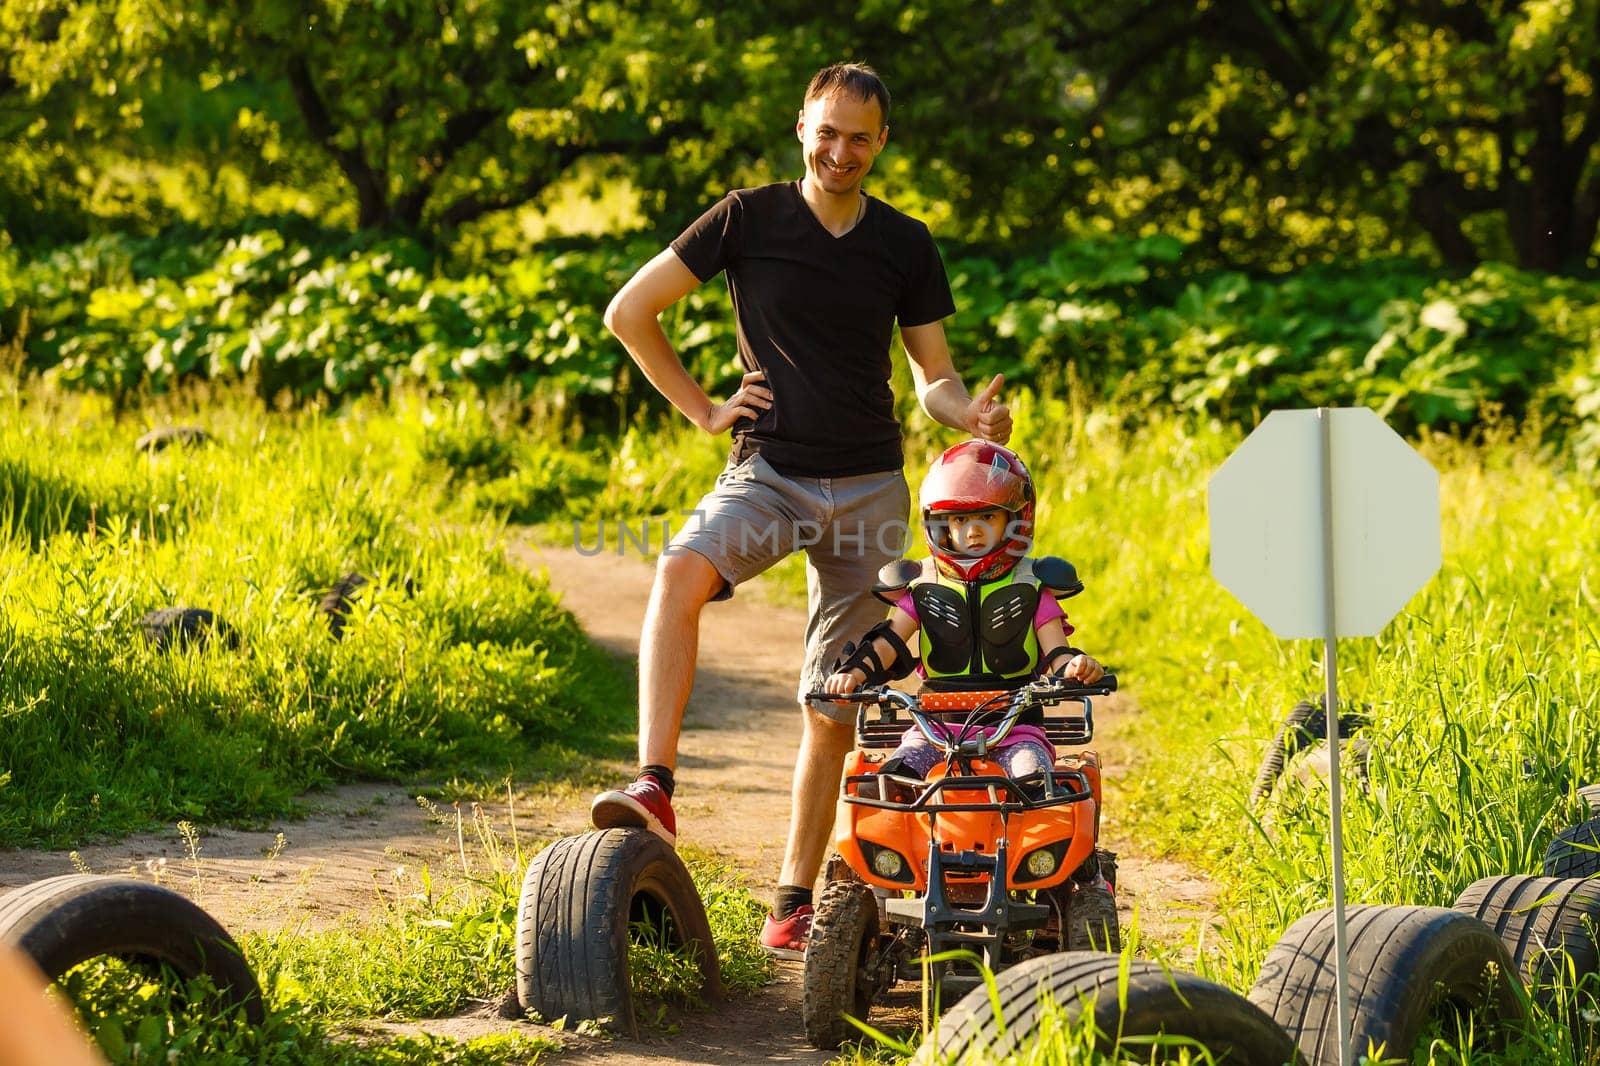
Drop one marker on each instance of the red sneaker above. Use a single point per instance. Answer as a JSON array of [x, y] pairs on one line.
[[643, 804], [786, 939]]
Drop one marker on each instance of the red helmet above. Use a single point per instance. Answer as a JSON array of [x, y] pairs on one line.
[[976, 475]]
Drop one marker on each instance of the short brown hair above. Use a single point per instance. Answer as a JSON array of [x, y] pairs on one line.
[[857, 79]]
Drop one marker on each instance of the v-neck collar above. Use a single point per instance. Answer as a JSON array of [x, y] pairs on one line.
[[817, 222]]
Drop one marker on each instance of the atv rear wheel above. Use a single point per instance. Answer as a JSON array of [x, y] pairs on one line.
[[839, 976]]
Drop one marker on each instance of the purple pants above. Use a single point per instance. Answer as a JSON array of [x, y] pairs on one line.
[[1017, 760]]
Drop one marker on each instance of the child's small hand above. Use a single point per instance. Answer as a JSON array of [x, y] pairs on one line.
[[844, 681], [1083, 668]]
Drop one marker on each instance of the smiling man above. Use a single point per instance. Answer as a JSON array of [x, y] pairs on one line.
[[820, 274]]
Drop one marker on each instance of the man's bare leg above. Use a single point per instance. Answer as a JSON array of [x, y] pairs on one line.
[[823, 745], [668, 647], [685, 582]]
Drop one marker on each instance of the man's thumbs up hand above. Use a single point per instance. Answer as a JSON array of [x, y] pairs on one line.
[[987, 417]]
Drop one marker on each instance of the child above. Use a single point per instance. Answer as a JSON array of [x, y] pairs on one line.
[[984, 612]]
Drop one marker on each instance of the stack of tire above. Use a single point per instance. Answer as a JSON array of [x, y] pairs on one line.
[[1410, 968]]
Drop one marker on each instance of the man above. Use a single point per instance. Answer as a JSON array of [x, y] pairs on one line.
[[819, 274]]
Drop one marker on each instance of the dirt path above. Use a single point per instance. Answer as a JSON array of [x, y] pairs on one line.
[[365, 841]]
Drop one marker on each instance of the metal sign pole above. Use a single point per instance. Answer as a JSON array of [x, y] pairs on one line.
[[1330, 671]]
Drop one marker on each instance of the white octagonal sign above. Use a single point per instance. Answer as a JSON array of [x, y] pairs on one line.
[[1266, 523]]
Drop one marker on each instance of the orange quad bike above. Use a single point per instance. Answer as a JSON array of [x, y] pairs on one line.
[[967, 860]]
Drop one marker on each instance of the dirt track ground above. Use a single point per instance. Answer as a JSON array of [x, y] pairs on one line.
[[363, 841]]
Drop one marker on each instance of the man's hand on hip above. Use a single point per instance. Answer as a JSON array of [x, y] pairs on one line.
[[988, 418], [749, 401]]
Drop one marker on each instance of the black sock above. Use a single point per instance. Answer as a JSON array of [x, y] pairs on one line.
[[789, 899], [662, 775]]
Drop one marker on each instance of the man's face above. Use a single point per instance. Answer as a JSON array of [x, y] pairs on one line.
[[841, 136]]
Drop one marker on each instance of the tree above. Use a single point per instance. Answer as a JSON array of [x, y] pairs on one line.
[[1472, 122], [431, 113]]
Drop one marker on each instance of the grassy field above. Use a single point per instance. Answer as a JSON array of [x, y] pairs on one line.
[[1482, 693], [453, 660]]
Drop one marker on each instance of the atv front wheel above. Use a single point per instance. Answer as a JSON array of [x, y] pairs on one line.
[[1091, 919], [839, 976]]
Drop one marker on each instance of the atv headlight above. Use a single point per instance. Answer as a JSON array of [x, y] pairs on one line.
[[1042, 862], [887, 863]]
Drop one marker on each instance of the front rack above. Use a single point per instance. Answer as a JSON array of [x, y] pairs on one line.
[[1001, 793], [884, 726]]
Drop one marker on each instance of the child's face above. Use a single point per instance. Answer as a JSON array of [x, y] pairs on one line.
[[976, 533]]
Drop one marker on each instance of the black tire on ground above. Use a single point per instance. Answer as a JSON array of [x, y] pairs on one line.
[[175, 628], [837, 981], [1304, 727], [1408, 965], [1549, 925], [63, 921], [1091, 919], [335, 605], [1574, 852], [1083, 983], [164, 436], [579, 897]]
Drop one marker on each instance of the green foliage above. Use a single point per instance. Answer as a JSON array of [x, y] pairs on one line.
[[303, 317], [1270, 136], [270, 310], [393, 115]]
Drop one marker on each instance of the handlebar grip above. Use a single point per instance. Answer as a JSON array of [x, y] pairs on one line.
[[1107, 683], [858, 696]]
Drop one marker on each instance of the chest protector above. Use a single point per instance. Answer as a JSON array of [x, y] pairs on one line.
[[979, 628]]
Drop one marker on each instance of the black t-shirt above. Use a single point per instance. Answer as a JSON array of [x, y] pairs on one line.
[[817, 313]]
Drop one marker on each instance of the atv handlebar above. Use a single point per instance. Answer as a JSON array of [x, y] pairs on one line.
[[970, 738], [1043, 691]]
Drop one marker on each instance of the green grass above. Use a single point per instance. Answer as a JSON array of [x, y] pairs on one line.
[[139, 1017], [454, 660]]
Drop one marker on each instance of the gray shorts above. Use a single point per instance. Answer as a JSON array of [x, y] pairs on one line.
[[847, 526]]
